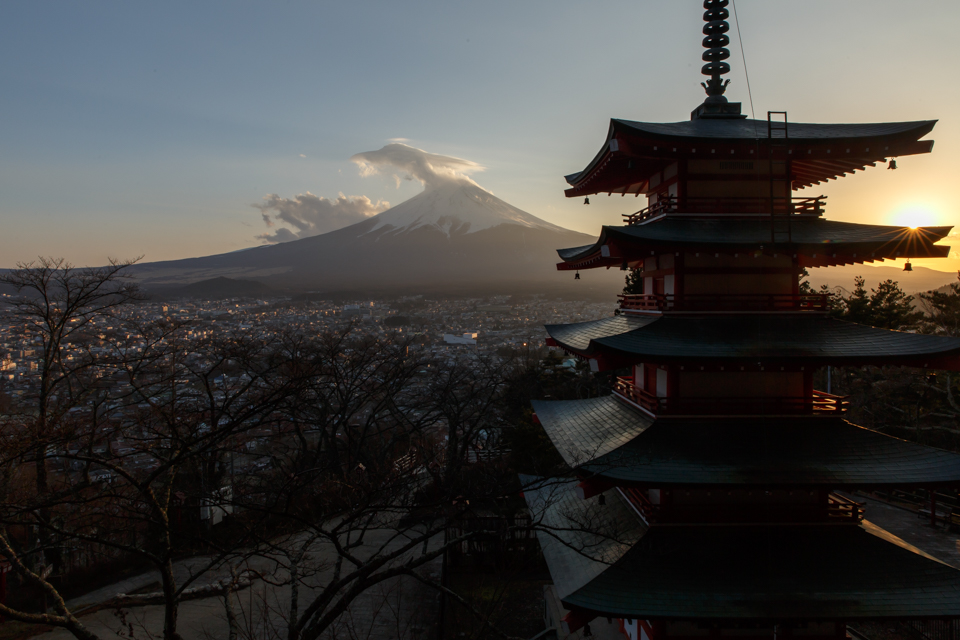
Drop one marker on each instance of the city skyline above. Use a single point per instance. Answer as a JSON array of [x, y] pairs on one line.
[[155, 131]]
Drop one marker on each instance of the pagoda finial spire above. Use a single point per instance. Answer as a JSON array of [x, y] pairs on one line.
[[715, 43]]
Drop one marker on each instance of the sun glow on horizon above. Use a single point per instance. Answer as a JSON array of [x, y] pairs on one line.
[[914, 216]]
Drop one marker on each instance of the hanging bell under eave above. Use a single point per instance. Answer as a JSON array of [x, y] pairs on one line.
[[586, 200], [892, 165], [908, 266], [577, 276]]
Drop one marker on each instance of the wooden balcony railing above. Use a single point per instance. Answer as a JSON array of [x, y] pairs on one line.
[[638, 498], [818, 403], [625, 388], [784, 205], [840, 509], [718, 302]]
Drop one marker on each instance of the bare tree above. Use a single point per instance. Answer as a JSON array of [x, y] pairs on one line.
[[130, 461], [59, 302], [386, 450]]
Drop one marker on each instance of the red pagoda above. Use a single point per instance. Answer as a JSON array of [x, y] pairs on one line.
[[707, 492]]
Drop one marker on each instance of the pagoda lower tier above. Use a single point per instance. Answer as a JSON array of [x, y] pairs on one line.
[[748, 341], [606, 442], [683, 581]]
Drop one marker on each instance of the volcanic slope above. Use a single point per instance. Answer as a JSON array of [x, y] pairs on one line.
[[455, 237]]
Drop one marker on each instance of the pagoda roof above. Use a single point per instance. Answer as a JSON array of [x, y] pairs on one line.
[[605, 562], [818, 152], [800, 132], [770, 339], [607, 438], [815, 241]]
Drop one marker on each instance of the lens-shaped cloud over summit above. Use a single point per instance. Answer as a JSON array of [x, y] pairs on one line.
[[431, 169], [309, 215]]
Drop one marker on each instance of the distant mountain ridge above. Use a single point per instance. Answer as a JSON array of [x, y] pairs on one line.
[[218, 288], [455, 237], [920, 279]]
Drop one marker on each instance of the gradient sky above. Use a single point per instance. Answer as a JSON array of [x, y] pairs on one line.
[[133, 128]]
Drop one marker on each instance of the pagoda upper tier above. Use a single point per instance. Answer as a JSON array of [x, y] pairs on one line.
[[811, 242], [645, 157], [750, 341]]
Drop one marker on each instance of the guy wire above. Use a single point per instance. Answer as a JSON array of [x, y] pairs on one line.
[[743, 55]]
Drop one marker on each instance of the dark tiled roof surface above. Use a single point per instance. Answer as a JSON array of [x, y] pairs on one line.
[[799, 131], [576, 251], [808, 235], [603, 436], [584, 430], [577, 335], [746, 337], [579, 538], [821, 572]]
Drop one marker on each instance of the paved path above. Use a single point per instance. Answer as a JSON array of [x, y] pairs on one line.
[[401, 608], [904, 523]]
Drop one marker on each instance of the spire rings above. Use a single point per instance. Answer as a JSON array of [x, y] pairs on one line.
[[715, 42]]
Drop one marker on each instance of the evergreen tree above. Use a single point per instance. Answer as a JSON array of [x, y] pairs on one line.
[[891, 308], [943, 310], [634, 282], [886, 307], [856, 308], [805, 287]]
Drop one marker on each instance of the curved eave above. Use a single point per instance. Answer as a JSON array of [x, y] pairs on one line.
[[604, 438], [749, 339], [634, 150], [771, 573], [815, 242]]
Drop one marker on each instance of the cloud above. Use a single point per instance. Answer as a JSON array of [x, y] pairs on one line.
[[430, 169], [311, 215]]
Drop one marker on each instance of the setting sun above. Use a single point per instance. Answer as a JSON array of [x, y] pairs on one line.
[[914, 216]]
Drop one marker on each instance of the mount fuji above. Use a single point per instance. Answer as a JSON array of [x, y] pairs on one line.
[[453, 237]]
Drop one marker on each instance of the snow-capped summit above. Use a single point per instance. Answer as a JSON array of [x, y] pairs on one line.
[[455, 236], [456, 208]]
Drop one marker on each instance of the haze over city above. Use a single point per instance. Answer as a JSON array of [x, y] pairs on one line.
[[174, 131]]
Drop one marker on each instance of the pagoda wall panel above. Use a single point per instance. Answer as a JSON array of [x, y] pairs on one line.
[[733, 167], [724, 283], [740, 384], [736, 260], [759, 188], [662, 383]]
